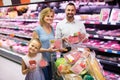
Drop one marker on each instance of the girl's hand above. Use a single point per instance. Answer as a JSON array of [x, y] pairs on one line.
[[32, 67]]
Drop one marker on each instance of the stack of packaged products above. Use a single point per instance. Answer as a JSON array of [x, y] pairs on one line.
[[79, 63]]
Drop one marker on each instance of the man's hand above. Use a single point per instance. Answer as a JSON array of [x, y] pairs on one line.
[[65, 39]]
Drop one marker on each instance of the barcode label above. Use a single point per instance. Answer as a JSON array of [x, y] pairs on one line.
[[108, 37]]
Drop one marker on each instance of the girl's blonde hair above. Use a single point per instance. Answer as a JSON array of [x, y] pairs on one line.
[[43, 13], [36, 39]]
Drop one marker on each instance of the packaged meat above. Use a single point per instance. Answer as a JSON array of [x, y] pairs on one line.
[[56, 43], [72, 56], [104, 14], [79, 66], [114, 17]]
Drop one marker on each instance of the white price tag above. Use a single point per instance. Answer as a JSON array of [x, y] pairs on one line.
[[70, 58], [113, 23], [104, 22], [81, 49], [73, 75], [58, 54], [114, 51], [92, 22], [96, 36], [118, 65], [105, 50], [108, 37], [117, 38]]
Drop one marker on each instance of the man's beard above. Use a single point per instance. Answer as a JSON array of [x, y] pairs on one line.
[[70, 16]]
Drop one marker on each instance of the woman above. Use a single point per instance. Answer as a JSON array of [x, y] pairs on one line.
[[45, 33]]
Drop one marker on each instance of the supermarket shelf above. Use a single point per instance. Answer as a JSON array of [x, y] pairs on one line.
[[106, 50], [57, 20], [110, 66], [102, 23], [15, 27], [109, 62], [92, 22], [16, 57], [17, 35], [18, 40], [29, 20], [105, 37]]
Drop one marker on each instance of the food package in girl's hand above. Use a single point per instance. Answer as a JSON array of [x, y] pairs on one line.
[[56, 43], [43, 63], [94, 67], [72, 56], [32, 62]]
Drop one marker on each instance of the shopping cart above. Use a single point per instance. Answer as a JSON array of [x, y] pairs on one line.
[[55, 73]]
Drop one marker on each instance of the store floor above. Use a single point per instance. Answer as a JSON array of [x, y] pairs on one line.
[[10, 70]]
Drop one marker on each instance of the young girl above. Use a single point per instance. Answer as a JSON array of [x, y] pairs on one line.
[[31, 62]]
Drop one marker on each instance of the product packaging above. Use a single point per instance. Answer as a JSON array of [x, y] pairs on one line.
[[104, 15], [56, 43], [94, 67]]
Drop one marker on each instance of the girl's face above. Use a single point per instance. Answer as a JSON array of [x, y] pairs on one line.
[[49, 18], [34, 47]]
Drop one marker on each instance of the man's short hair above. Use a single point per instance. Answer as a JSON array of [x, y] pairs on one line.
[[71, 4]]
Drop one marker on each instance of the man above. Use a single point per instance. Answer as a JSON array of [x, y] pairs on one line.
[[69, 25]]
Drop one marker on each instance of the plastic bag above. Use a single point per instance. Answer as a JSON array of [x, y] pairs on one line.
[[94, 67]]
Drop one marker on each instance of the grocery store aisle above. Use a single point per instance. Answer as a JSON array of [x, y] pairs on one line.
[[10, 70]]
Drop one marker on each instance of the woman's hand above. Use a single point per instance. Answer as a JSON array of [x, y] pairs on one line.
[[51, 49]]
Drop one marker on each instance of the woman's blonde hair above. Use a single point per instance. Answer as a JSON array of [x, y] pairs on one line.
[[43, 13]]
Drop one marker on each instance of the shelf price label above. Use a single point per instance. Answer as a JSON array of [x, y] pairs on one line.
[[105, 50], [104, 22], [96, 36], [92, 22], [113, 23], [108, 37], [114, 51], [118, 65], [118, 38], [109, 51]]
